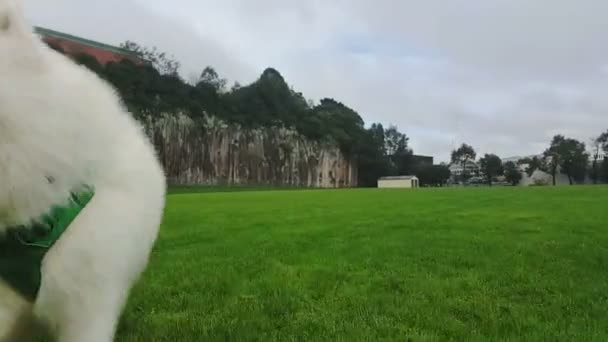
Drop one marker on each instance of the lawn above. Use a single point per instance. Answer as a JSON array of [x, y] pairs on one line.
[[350, 265]]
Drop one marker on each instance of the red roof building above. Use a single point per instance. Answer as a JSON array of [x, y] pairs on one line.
[[73, 45]]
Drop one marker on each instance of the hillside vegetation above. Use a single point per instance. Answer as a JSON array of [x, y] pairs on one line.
[[156, 90]]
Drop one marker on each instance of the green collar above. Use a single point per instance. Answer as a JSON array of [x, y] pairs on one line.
[[47, 230], [22, 249]]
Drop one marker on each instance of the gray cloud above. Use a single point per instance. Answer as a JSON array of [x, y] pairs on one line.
[[503, 75], [115, 21]]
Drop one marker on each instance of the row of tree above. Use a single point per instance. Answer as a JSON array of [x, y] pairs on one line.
[[155, 89], [564, 155], [490, 166]]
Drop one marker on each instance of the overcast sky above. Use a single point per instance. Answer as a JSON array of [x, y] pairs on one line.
[[502, 75]]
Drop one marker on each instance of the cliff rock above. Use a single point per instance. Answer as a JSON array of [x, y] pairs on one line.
[[210, 152]]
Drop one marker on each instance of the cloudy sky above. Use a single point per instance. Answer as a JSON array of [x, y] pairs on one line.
[[502, 75]]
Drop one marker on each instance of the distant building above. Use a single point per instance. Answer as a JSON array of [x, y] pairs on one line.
[[73, 46], [516, 159], [407, 182], [471, 167], [511, 159]]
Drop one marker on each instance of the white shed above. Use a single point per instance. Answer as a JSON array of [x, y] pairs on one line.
[[399, 182]]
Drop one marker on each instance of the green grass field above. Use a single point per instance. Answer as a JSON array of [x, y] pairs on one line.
[[350, 265]]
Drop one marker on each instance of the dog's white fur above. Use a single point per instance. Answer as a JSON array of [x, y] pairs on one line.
[[59, 120]]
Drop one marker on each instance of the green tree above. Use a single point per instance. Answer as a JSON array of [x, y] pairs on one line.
[[512, 173], [600, 144], [463, 155], [271, 102], [161, 61], [441, 174], [383, 152], [569, 156], [372, 161], [603, 141], [341, 123], [534, 164], [395, 141], [551, 162], [210, 77], [433, 175], [594, 171], [398, 152], [491, 165]]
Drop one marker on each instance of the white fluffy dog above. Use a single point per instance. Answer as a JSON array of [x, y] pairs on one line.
[[62, 128]]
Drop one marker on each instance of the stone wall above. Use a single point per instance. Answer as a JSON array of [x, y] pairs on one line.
[[213, 153]]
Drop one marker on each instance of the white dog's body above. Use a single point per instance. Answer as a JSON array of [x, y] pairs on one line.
[[59, 121]]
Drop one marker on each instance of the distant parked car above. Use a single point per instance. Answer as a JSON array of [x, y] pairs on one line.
[[475, 181]]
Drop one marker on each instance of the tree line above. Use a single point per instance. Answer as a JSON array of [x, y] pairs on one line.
[[564, 155], [157, 88]]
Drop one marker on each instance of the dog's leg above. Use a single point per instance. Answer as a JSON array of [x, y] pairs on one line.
[[90, 314], [16, 320], [12, 309], [88, 273]]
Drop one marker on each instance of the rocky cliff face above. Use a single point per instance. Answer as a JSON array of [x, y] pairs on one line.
[[213, 153]]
